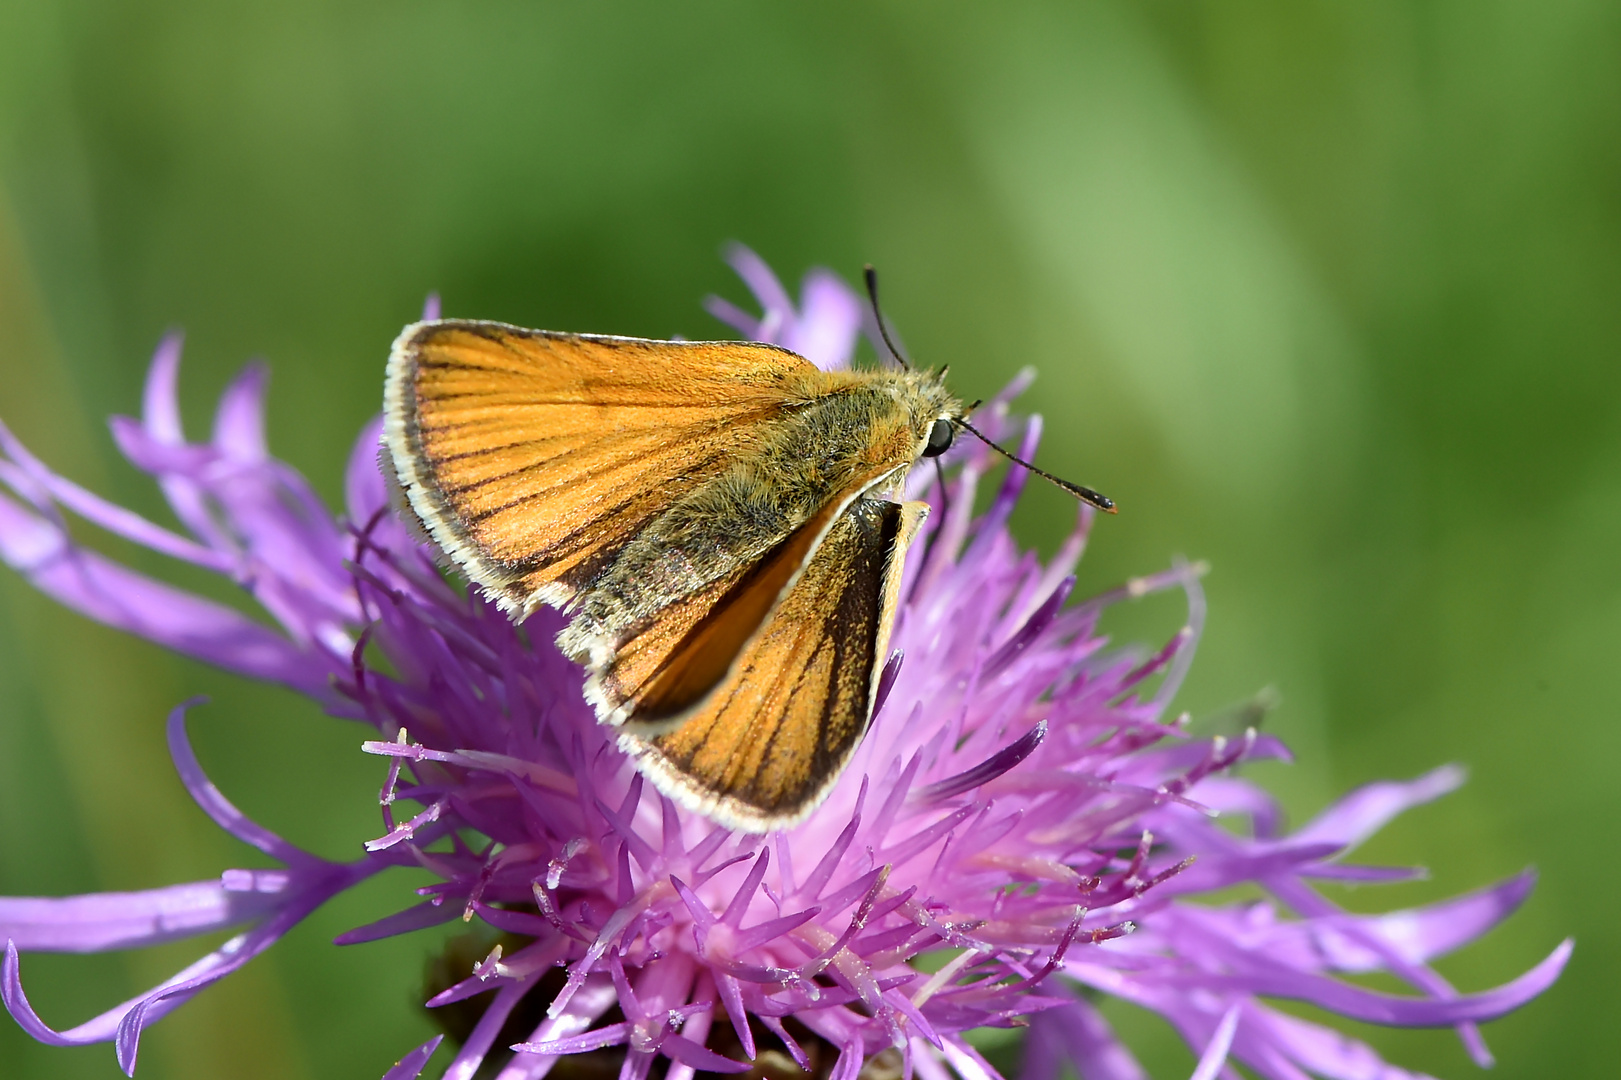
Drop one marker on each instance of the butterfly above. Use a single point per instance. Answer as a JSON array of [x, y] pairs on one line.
[[718, 520]]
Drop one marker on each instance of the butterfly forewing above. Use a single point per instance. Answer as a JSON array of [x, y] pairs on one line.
[[763, 746], [530, 456]]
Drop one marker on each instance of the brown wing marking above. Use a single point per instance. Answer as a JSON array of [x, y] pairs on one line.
[[532, 456], [763, 748]]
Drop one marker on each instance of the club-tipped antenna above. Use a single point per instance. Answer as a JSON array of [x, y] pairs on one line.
[[883, 331], [1085, 494]]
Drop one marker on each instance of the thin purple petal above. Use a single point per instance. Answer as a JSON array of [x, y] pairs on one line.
[[419, 917], [160, 407], [1319, 1050], [96, 922], [364, 491], [128, 601], [239, 425], [1374, 1008], [478, 1044], [987, 770], [215, 804], [763, 283], [411, 1065], [700, 1057], [1368, 809], [829, 320], [1214, 1057], [1076, 1034], [98, 511]]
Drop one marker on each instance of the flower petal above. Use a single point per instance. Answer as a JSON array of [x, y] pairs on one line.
[[1076, 1034], [215, 804], [482, 1038], [239, 423], [365, 492], [1214, 1057], [690, 1053], [45, 484], [1374, 1008], [125, 600], [419, 917], [411, 1065], [96, 922], [828, 323], [1320, 1050], [1357, 816], [767, 289]]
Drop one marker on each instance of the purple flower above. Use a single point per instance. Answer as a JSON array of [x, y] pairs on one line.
[[1023, 807]]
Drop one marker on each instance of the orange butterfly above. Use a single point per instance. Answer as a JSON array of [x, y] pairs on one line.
[[714, 516]]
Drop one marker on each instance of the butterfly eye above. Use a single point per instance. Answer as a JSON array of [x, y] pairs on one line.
[[940, 436]]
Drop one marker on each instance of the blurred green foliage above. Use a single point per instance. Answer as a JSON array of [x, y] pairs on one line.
[[1327, 293]]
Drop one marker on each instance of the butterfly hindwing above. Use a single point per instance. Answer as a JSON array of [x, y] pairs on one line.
[[764, 744], [671, 659]]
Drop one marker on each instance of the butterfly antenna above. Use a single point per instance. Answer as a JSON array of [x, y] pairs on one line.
[[872, 293], [1085, 494]]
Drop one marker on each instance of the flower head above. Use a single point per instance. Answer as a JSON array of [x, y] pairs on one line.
[[1024, 811]]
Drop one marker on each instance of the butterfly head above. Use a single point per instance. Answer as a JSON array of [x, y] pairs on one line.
[[930, 414], [937, 418]]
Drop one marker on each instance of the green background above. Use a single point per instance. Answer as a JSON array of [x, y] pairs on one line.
[[1324, 293]]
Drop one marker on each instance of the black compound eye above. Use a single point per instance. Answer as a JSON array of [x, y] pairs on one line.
[[940, 436]]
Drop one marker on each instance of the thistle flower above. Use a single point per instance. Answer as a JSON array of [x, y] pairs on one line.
[[1024, 812]]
